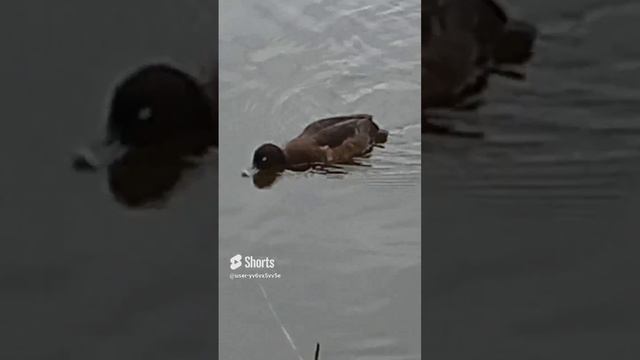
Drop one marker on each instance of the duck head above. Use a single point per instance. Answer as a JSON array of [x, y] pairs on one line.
[[160, 118], [157, 106], [269, 157]]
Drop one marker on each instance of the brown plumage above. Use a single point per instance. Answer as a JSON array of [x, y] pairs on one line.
[[335, 140]]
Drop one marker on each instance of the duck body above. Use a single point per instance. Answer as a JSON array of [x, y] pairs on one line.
[[334, 140], [465, 41]]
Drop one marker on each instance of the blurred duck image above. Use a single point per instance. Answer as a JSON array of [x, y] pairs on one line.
[[464, 43], [161, 122]]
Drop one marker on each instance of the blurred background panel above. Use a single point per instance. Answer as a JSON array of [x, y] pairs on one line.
[[82, 276], [530, 232]]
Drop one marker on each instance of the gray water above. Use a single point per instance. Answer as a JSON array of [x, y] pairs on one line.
[[346, 246], [531, 234], [82, 277]]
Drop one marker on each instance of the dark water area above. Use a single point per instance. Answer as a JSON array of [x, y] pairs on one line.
[[84, 277], [530, 234], [346, 245]]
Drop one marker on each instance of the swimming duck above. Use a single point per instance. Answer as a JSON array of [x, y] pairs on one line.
[[334, 140], [464, 41]]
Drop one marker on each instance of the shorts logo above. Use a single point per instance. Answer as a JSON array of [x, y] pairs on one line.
[[236, 262]]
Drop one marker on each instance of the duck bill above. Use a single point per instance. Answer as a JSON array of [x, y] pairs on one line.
[[250, 172], [97, 155]]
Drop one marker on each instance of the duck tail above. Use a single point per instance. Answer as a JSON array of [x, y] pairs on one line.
[[381, 136], [515, 47]]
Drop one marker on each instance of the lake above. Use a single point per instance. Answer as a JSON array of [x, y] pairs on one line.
[[346, 245]]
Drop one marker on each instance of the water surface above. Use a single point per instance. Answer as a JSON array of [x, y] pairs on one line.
[[347, 246]]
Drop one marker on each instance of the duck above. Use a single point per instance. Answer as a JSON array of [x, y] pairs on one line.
[[161, 122], [157, 108], [464, 42], [329, 141]]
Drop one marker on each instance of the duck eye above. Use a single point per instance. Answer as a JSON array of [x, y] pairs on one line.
[[145, 113], [264, 159]]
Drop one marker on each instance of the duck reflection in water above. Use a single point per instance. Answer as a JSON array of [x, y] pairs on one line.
[[161, 124], [321, 147]]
